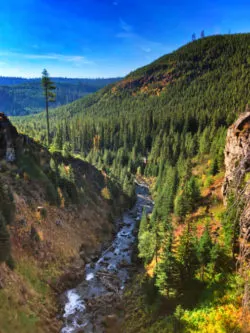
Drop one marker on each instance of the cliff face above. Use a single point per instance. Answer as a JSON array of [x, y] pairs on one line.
[[8, 137], [237, 163], [237, 151]]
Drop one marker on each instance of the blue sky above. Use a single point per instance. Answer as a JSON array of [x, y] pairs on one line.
[[105, 38]]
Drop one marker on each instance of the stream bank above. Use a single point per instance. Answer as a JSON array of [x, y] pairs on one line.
[[90, 307]]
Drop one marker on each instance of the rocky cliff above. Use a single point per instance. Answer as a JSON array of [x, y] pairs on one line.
[[237, 182], [8, 138], [237, 151]]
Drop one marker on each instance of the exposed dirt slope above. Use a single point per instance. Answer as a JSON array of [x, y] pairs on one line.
[[62, 219]]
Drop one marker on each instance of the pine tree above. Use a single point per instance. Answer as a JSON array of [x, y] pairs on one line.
[[167, 274], [204, 250], [187, 256], [147, 246], [180, 207], [48, 87], [214, 168], [192, 193], [67, 148]]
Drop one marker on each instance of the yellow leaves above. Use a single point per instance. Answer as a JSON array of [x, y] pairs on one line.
[[40, 235], [62, 200], [106, 193], [114, 90], [150, 268], [218, 319]]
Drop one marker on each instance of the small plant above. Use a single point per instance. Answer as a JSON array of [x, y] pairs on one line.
[[208, 181], [3, 166], [42, 212], [106, 193], [11, 263], [26, 177]]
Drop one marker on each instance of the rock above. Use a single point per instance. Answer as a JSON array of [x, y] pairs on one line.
[[22, 223], [58, 223], [94, 257], [8, 138], [10, 154], [110, 320], [82, 255], [237, 151], [123, 263], [2, 284]]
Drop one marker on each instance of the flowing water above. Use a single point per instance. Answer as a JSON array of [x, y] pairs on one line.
[[105, 279]]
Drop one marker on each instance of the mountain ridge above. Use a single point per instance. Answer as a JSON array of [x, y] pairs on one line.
[[19, 96]]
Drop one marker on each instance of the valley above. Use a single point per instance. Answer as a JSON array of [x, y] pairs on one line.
[[20, 96], [92, 304], [85, 226]]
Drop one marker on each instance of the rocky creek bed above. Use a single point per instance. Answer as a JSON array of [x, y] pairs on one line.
[[90, 306]]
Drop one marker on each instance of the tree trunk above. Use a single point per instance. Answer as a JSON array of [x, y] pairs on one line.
[[47, 115]]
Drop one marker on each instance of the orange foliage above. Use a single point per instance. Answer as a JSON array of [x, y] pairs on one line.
[[26, 176], [96, 142]]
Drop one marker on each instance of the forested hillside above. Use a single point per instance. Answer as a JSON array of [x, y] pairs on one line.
[[20, 96], [56, 213], [166, 122]]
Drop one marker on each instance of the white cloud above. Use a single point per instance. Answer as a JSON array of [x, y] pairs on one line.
[[139, 42], [146, 49], [125, 35], [125, 26], [77, 59]]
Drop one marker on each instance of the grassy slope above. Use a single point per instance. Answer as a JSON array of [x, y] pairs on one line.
[[51, 258]]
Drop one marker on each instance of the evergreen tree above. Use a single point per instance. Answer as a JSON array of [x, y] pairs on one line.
[[230, 222], [147, 246], [48, 87], [181, 207], [167, 275], [187, 256], [214, 168], [67, 148], [204, 249], [192, 193]]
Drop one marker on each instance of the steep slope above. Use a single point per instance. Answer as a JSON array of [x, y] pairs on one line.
[[56, 213], [236, 191]]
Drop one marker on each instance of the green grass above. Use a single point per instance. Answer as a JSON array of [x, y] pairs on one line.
[[13, 319], [30, 272]]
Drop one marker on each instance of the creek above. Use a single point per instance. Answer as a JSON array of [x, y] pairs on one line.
[[101, 291]]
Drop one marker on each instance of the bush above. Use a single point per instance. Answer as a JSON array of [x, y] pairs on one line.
[[11, 263]]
